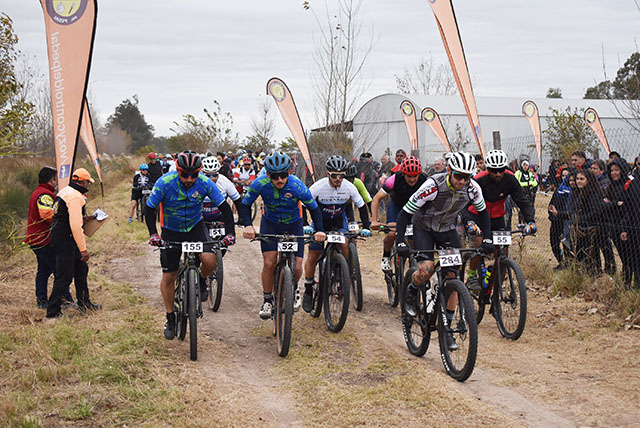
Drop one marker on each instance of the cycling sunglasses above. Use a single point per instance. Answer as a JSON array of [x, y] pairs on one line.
[[212, 175], [185, 174], [277, 175], [496, 170], [462, 177], [335, 175]]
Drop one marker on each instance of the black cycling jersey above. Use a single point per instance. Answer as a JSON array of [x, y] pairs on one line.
[[495, 193], [399, 189]]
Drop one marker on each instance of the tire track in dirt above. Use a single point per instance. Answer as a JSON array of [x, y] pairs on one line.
[[237, 361]]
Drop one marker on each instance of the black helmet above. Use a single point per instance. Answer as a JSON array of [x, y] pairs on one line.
[[189, 161], [336, 163], [351, 171]]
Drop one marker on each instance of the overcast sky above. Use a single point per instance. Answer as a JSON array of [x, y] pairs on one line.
[[180, 56]]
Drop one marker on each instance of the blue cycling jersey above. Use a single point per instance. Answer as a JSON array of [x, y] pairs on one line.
[[181, 206], [280, 206]]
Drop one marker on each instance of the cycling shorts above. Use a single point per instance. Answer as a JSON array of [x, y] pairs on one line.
[[427, 240], [269, 227], [496, 223], [337, 224], [136, 194], [392, 211], [170, 258]]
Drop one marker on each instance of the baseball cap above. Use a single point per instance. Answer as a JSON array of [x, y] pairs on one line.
[[81, 174]]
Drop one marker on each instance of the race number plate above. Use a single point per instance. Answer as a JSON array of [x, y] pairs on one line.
[[449, 257], [192, 247], [409, 230], [216, 233], [502, 237], [146, 192], [353, 227], [336, 239], [288, 247]]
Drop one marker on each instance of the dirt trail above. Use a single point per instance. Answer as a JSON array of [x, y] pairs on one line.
[[547, 378]]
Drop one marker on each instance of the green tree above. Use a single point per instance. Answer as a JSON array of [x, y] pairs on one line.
[[15, 111], [128, 118], [566, 132], [554, 93], [288, 145]]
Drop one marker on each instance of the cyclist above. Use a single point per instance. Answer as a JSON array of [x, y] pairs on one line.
[[281, 195], [140, 181], [433, 209], [211, 168], [497, 183], [350, 175], [244, 174], [155, 167], [332, 194], [181, 194], [400, 186]]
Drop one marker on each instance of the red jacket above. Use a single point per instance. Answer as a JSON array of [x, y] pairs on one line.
[[40, 215]]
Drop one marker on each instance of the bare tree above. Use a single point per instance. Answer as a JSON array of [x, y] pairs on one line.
[[340, 54], [427, 78], [263, 127]]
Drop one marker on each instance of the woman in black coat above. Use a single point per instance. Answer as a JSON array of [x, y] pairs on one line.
[[589, 209], [631, 226], [614, 199]]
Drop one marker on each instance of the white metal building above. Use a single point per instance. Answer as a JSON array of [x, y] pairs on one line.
[[379, 125]]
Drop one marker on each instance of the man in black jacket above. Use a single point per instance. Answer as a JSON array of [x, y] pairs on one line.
[[155, 168]]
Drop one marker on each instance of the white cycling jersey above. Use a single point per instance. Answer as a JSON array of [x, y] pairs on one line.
[[332, 200], [227, 188]]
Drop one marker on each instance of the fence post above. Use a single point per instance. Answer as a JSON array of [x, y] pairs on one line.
[[497, 144]]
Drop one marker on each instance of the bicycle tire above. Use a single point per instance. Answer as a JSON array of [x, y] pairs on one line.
[[510, 300], [192, 283], [477, 296], [180, 307], [391, 278], [214, 283], [318, 289], [356, 276], [415, 330], [336, 293], [283, 309], [458, 364]]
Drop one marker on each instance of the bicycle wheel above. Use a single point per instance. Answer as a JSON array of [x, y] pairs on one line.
[[283, 309], [477, 296], [510, 299], [391, 278], [415, 330], [336, 293], [356, 276], [462, 328], [214, 284], [318, 289], [192, 284]]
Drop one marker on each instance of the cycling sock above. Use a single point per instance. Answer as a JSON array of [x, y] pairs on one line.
[[386, 253], [308, 285], [171, 316], [268, 297], [472, 273], [203, 282], [449, 314]]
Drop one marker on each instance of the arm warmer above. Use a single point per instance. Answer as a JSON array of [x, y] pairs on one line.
[[364, 216], [316, 216], [150, 218], [227, 215]]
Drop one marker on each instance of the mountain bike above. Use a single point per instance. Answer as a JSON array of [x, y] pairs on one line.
[[505, 291], [332, 285], [187, 304], [431, 303], [394, 277], [142, 202], [283, 287], [216, 279], [354, 266]]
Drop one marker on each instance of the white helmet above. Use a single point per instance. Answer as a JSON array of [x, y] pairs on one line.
[[496, 159], [210, 165], [462, 162]]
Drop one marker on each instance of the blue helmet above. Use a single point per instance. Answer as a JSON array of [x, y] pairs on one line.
[[143, 167], [277, 162]]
